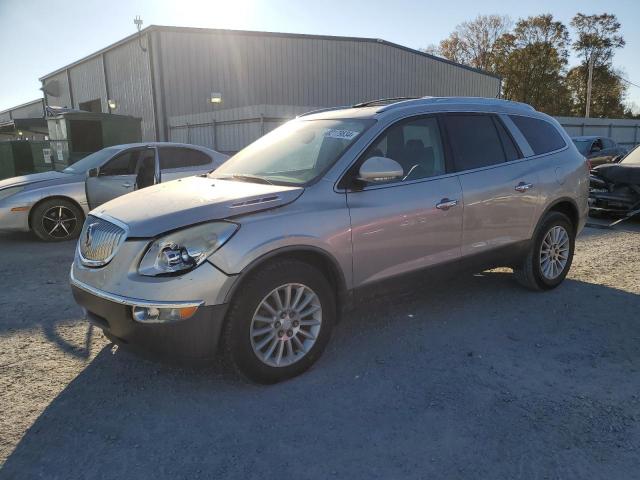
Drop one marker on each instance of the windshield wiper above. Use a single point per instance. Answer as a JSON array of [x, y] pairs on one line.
[[248, 178]]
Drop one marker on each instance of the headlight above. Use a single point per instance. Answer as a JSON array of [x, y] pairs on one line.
[[185, 249], [7, 192]]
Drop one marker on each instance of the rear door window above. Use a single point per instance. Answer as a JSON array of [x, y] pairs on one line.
[[541, 135], [175, 157], [474, 140]]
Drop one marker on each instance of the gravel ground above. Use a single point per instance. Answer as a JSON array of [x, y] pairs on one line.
[[473, 378]]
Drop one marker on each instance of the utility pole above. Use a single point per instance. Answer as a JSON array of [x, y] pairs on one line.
[[589, 82]]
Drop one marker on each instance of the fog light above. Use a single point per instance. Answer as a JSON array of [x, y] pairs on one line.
[[162, 315]]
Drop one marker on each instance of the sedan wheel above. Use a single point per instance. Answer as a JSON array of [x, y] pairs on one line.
[[57, 219], [59, 222]]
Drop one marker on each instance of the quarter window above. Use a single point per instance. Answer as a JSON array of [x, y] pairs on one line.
[[175, 157], [474, 140], [415, 144], [541, 135]]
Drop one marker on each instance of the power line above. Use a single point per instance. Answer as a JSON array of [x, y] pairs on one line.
[[625, 80]]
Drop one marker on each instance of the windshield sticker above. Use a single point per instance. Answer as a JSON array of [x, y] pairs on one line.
[[343, 134]]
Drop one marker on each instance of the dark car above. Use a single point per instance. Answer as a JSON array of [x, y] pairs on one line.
[[598, 150]]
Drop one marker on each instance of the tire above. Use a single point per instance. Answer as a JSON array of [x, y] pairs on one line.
[[45, 223], [247, 313], [531, 273]]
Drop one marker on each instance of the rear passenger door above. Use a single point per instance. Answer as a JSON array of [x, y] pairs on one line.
[[498, 185], [179, 162]]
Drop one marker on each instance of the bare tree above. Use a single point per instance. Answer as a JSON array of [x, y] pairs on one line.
[[472, 43]]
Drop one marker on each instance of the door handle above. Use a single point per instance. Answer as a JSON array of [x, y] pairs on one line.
[[446, 204], [523, 187], [126, 184]]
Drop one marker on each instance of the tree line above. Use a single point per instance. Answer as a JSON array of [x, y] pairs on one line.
[[532, 57]]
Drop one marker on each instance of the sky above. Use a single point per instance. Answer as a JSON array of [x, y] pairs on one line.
[[38, 36]]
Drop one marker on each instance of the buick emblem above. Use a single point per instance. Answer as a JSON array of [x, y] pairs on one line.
[[88, 236]]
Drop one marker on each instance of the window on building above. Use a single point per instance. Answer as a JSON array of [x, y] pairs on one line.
[[91, 106]]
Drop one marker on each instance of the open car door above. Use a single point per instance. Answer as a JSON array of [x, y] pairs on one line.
[[128, 171]]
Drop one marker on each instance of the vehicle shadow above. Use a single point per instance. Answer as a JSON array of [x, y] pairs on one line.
[[475, 378]]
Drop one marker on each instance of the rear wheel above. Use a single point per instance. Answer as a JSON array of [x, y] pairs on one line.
[[56, 220], [549, 258], [280, 321]]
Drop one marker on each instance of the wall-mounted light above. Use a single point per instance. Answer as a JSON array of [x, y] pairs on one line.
[[216, 97], [112, 104], [20, 133]]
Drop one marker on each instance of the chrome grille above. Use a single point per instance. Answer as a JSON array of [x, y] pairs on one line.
[[99, 241]]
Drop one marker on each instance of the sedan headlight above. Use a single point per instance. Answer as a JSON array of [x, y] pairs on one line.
[[7, 192], [184, 250]]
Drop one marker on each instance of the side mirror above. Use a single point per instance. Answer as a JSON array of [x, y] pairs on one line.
[[379, 169], [92, 172]]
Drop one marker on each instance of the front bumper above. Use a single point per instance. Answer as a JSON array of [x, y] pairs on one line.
[[192, 340]]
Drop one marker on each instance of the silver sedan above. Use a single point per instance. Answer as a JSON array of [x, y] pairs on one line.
[[54, 204]]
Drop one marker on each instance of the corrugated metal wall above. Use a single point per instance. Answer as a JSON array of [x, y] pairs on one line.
[[129, 79], [63, 98], [626, 132], [264, 72], [28, 110], [87, 81], [254, 69]]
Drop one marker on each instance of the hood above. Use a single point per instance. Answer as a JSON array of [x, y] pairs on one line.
[[187, 201], [51, 178]]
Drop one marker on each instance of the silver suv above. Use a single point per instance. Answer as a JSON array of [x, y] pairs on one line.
[[260, 257]]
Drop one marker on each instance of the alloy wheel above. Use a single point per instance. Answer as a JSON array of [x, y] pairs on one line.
[[286, 324], [59, 222], [554, 252]]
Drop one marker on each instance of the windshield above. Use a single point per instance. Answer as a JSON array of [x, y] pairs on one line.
[[295, 153], [633, 157], [583, 146], [91, 161]]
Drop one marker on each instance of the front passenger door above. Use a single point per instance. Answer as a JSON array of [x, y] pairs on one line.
[[122, 174]]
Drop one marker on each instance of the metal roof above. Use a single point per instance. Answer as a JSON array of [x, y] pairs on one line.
[[151, 28]]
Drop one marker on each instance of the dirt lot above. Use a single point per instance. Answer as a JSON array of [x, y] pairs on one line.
[[475, 378]]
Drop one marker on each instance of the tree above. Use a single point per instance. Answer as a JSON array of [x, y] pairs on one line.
[[532, 60], [607, 92], [472, 43], [597, 35], [597, 38]]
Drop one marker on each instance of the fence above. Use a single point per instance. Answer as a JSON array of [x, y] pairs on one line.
[[625, 132], [230, 131]]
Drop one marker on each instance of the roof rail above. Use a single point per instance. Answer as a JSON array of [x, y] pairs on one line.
[[320, 110], [454, 100], [382, 101]]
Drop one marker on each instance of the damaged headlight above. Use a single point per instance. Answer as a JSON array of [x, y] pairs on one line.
[[184, 250]]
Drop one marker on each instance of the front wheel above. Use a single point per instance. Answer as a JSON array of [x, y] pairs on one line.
[[57, 219], [549, 258], [279, 322]]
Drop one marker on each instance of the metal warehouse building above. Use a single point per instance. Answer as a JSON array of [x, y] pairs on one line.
[[174, 77]]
